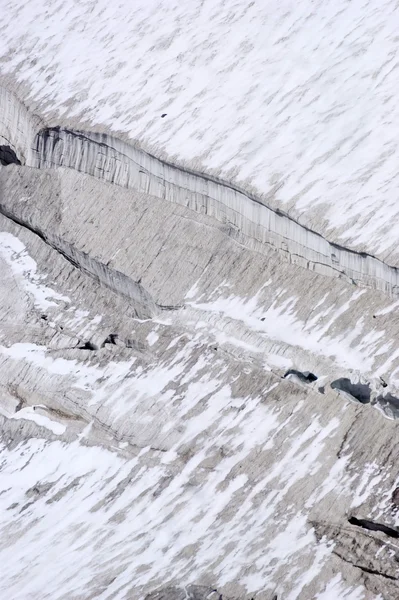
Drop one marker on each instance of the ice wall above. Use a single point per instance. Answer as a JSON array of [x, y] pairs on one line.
[[18, 126], [248, 218], [113, 160]]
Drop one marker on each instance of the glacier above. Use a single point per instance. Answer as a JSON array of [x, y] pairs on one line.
[[199, 369]]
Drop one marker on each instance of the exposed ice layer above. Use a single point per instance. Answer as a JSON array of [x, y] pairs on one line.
[[17, 126], [115, 161], [300, 97], [249, 219], [143, 304], [229, 467]]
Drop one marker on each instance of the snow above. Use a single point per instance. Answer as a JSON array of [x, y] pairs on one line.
[[81, 376], [155, 532], [152, 338], [279, 361], [336, 589], [13, 251], [157, 527], [295, 99], [220, 512], [370, 478], [30, 414], [388, 309], [282, 324], [299, 98]]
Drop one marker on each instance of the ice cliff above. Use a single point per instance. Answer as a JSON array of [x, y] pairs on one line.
[[251, 221]]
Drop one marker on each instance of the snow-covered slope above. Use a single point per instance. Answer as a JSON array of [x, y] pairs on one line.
[[296, 100], [199, 395], [163, 453]]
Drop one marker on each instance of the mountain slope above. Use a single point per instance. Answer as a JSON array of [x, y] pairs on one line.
[[198, 332], [294, 100]]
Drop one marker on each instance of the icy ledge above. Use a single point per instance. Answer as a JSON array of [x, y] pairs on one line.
[[247, 218], [142, 303]]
